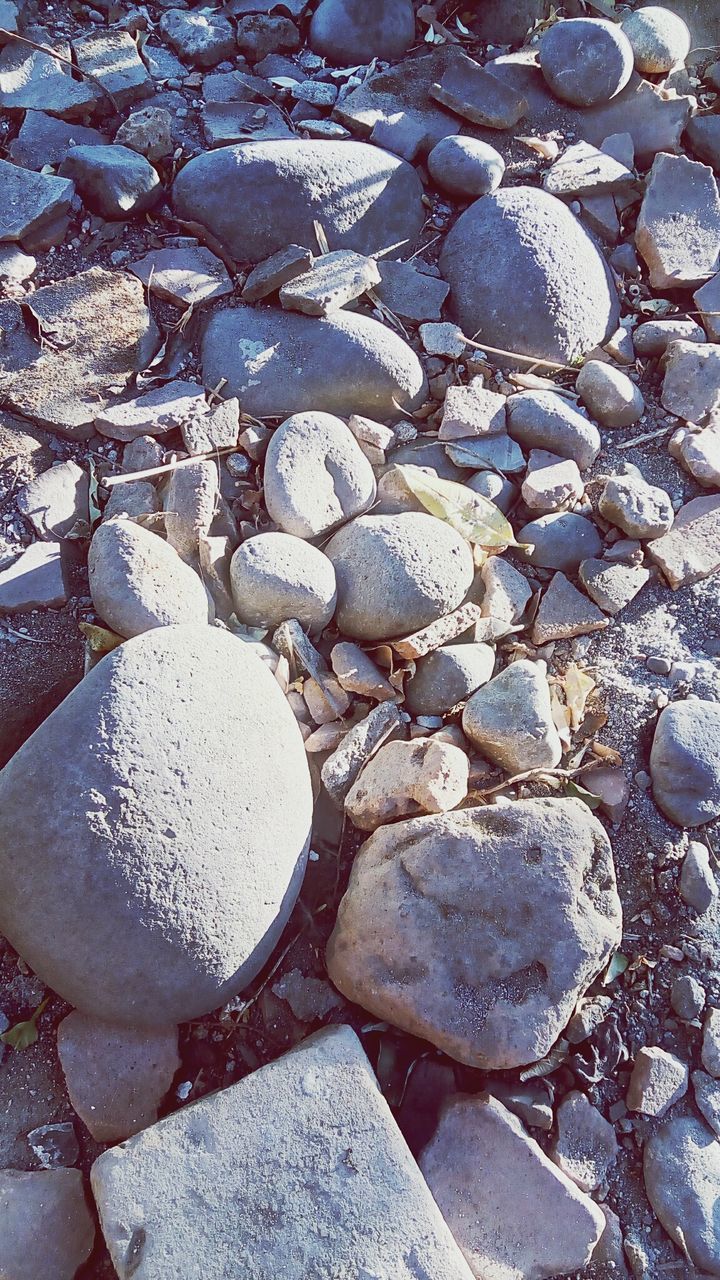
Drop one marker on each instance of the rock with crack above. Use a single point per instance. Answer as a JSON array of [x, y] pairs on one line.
[[478, 930], [30, 202], [471, 91], [48, 1229], [681, 1167], [407, 778], [138, 581], [510, 719], [678, 227]]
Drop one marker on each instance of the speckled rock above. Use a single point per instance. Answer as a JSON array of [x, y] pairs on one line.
[[681, 1168], [47, 1226], [316, 475], [347, 33], [685, 764], [609, 395], [560, 540], [447, 677], [546, 420], [660, 39], [276, 576], [640, 509], [137, 581]]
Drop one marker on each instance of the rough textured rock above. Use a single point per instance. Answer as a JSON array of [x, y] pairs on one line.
[[691, 550], [154, 412], [279, 362], [525, 276], [56, 500], [183, 833], [190, 1196], [113, 58], [682, 1178], [47, 1226], [698, 886], [684, 762], [609, 395], [565, 612], [316, 475], [691, 387], [138, 581], [658, 1080], [201, 38], [640, 509], [396, 574], [585, 1146], [699, 453], [149, 132], [30, 201], [660, 39], [474, 93], [707, 301], [478, 930], [365, 198], [480, 1164], [510, 719], [190, 502], [276, 576], [346, 33], [447, 677], [545, 420], [586, 60], [407, 778], [710, 1052], [680, 249], [465, 166], [184, 277], [612, 586], [113, 181]]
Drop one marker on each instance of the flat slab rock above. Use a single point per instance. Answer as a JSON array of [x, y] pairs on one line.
[[30, 201], [678, 227], [184, 277], [691, 550], [47, 1226], [478, 930], [299, 1170]]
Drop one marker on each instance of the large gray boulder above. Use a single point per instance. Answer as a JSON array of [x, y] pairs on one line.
[[280, 362], [681, 1167], [346, 32], [685, 762], [258, 197], [154, 829], [526, 276]]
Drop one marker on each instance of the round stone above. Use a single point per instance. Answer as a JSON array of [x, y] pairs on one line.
[[585, 60], [396, 574], [609, 395], [276, 576], [138, 581], [316, 475], [681, 1168], [465, 166], [154, 829], [660, 39], [447, 677], [347, 33], [685, 764]]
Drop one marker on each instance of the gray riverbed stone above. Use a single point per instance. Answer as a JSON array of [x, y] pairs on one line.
[[609, 395], [681, 1168], [660, 39], [396, 574], [447, 677], [190, 1196], [652, 337], [365, 198], [640, 509], [47, 1226], [685, 763], [190, 502], [149, 132], [276, 576], [586, 60], [585, 1146], [138, 581], [30, 201], [316, 475], [511, 253], [474, 93], [691, 387], [56, 500], [560, 540], [697, 886], [185, 824], [346, 33], [546, 420], [679, 250], [35, 580], [658, 1080], [113, 181], [33, 80], [478, 930], [202, 38], [465, 167], [510, 719], [185, 277]]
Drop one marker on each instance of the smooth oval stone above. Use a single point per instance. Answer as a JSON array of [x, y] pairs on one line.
[[346, 32], [546, 420], [585, 60], [560, 540], [259, 197], [276, 576], [154, 829], [526, 276], [281, 362], [447, 677], [138, 581], [681, 1168], [113, 181], [465, 166], [685, 762], [316, 475], [659, 38]]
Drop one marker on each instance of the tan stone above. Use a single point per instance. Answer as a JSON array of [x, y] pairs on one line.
[[407, 778]]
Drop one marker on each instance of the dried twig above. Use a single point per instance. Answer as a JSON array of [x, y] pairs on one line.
[[52, 53], [516, 355], [536, 775], [649, 435], [110, 481]]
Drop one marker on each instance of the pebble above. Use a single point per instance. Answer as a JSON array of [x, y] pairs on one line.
[[640, 509], [510, 719], [585, 1147], [138, 581], [408, 778], [275, 576], [497, 488], [560, 540], [687, 997], [685, 769], [446, 678], [113, 181], [546, 420], [55, 1145], [609, 395], [710, 1051], [465, 167], [315, 476], [658, 1080], [697, 882], [585, 60], [48, 1229], [660, 39], [681, 1167]]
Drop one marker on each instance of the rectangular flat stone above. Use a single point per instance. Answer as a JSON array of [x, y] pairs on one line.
[[276, 271], [113, 59], [228, 122], [678, 227], [472, 411], [333, 280], [34, 581], [691, 550], [184, 277], [438, 633], [44, 140], [409, 293], [31, 80], [299, 1171], [473, 93], [153, 413], [29, 201], [342, 768], [584, 170], [398, 101]]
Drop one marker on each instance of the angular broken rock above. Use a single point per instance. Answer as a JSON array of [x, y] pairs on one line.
[[34, 581], [333, 280], [678, 227], [691, 388], [409, 293], [32, 80], [478, 930], [552, 483], [342, 767], [184, 277], [474, 93], [658, 1080], [269, 276], [583, 170], [48, 1229], [359, 1203], [138, 581], [190, 502], [30, 201], [356, 672], [707, 301], [612, 586], [472, 410], [56, 500], [112, 58], [699, 453], [438, 633], [564, 612], [510, 719], [406, 778], [152, 413], [586, 1145], [691, 550]]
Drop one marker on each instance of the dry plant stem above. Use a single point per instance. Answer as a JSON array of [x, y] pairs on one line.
[[43, 48], [536, 775], [515, 355], [209, 240], [649, 435], [149, 472]]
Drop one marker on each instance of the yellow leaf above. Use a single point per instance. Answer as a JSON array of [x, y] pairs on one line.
[[100, 639], [474, 517], [578, 687], [560, 715]]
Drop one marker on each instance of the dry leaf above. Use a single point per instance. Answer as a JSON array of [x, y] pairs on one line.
[[545, 147], [100, 639], [578, 686], [474, 517], [560, 715]]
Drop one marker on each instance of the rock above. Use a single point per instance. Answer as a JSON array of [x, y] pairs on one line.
[[407, 778], [316, 476], [465, 167], [586, 1146], [684, 762], [472, 410], [507, 591], [609, 394], [703, 134], [136, 498], [356, 672], [33, 80], [161, 944], [34, 581], [116, 1076], [691, 388], [275, 576], [601, 216], [475, 930], [447, 677], [470, 91], [374, 439], [365, 199], [443, 340], [687, 997], [495, 452], [346, 34], [652, 337], [707, 1098], [258, 36], [184, 277], [467, 620], [584, 171], [697, 881], [640, 509], [269, 276], [585, 60], [565, 612], [612, 789], [479, 1164], [681, 1167], [612, 586], [507, 254], [47, 1226], [149, 132], [679, 251], [510, 719], [699, 453], [112, 58], [202, 38], [309, 998], [344, 764], [560, 541], [546, 420], [153, 412], [190, 502], [396, 574], [552, 483], [137, 581], [16, 265], [113, 181], [659, 38], [707, 301], [333, 280], [710, 1053], [30, 201], [410, 294], [55, 501], [279, 362], [237, 110], [657, 1082]]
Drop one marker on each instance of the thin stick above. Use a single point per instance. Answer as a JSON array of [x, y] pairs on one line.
[[649, 435], [43, 48], [515, 355], [536, 775], [111, 481]]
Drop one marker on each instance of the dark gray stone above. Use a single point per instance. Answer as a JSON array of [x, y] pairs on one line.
[[447, 677], [347, 33], [471, 91], [546, 420], [409, 293], [260, 35], [586, 60], [560, 540], [30, 202], [113, 181], [465, 166], [685, 762], [31, 80], [44, 140], [653, 336], [703, 135]]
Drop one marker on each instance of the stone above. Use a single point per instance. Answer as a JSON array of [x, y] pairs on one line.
[[681, 1167], [144, 453], [494, 452], [699, 453], [149, 132], [691, 387], [658, 1080], [44, 140], [612, 586], [275, 576], [344, 764], [691, 550], [269, 276], [678, 226], [510, 720], [333, 280], [583, 170], [153, 412], [612, 789], [365, 199], [396, 574], [660, 39], [309, 998], [410, 294], [357, 673], [47, 1226], [102, 333], [507, 591], [684, 762], [479, 1164], [408, 778], [707, 301], [54, 1145], [278, 362], [56, 500], [511, 251], [316, 476], [138, 581], [35, 580], [136, 498], [497, 488], [552, 483], [585, 60], [470, 91], [652, 337], [202, 38], [585, 1147], [560, 541], [475, 930], [185, 277], [447, 677], [15, 265], [259, 36], [609, 395], [640, 509], [546, 420], [236, 116], [565, 612], [443, 340], [465, 167], [113, 181], [116, 1076], [601, 216], [30, 201], [347, 34], [112, 58], [465, 620], [697, 881], [707, 1099], [32, 80], [703, 134], [687, 997], [379, 1219], [374, 439], [154, 820], [190, 502], [472, 410]]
